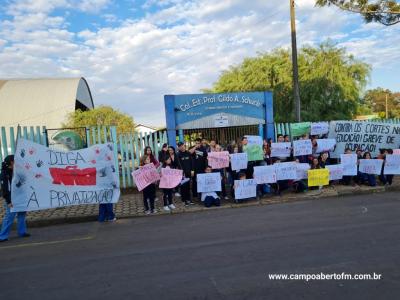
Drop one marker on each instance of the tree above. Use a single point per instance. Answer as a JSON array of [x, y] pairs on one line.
[[375, 100], [101, 116], [331, 81], [382, 11]]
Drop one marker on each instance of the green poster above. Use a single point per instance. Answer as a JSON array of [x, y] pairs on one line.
[[299, 129], [254, 148]]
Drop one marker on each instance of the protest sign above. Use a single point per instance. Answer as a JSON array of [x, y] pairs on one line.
[[325, 145], [45, 178], [145, 175], [209, 182], [254, 148], [319, 128], [392, 165], [371, 166], [218, 160], [281, 149], [302, 170], [286, 170], [335, 171], [239, 161], [349, 164], [318, 177], [265, 174], [367, 136], [170, 178], [396, 151], [245, 189], [302, 147], [299, 129]]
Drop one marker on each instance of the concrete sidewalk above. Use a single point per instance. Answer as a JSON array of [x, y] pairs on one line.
[[131, 204]]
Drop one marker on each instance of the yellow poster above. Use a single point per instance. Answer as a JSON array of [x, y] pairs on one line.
[[318, 177]]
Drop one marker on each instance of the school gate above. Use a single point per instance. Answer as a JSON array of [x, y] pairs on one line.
[[221, 116]]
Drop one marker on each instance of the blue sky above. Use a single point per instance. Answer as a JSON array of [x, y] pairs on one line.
[[133, 52]]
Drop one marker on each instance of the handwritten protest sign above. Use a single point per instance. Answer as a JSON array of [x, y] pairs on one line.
[[302, 171], [319, 128], [46, 178], [368, 136], [245, 189], [209, 182], [170, 178], [265, 174], [371, 166], [281, 149], [218, 160], [335, 171], [392, 165], [298, 129], [349, 163], [325, 145], [302, 147], [286, 170], [144, 176], [254, 148], [318, 177], [239, 161]]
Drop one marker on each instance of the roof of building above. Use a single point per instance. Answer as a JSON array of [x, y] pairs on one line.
[[150, 127], [42, 102]]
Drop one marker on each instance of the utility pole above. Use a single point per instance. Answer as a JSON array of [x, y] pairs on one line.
[[296, 92]]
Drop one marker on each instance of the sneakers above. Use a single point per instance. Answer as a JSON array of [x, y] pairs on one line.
[[147, 212], [191, 202], [154, 211], [113, 220], [226, 198], [187, 203], [177, 194], [171, 206], [167, 208]]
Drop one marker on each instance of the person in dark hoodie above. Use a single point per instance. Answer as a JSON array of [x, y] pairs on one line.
[[185, 163], [163, 154], [7, 168], [199, 156]]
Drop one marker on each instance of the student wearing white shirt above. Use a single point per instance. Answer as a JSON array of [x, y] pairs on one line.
[[210, 198]]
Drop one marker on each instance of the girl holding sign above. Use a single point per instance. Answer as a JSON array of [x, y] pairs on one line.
[[167, 193], [370, 178], [149, 192]]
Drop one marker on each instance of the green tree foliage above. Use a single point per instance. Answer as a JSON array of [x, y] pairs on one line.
[[101, 116], [382, 11], [375, 101], [330, 81]]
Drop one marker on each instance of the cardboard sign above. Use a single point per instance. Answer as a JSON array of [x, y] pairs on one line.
[[371, 166], [392, 165], [245, 189], [302, 171], [254, 148], [281, 149], [318, 177], [349, 164], [335, 172], [170, 178], [144, 176], [265, 174], [302, 147], [218, 160], [325, 145], [286, 171], [209, 182], [239, 161], [319, 128], [46, 178]]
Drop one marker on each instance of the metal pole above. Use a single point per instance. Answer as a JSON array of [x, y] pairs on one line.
[[296, 92]]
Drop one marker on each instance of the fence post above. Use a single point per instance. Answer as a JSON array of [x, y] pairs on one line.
[[4, 139], [113, 133], [12, 140]]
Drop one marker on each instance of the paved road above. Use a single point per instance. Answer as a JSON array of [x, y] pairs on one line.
[[218, 254]]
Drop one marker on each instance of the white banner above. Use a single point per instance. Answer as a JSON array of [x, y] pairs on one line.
[[392, 165], [286, 170], [349, 163], [45, 178], [281, 149], [239, 161], [265, 174], [302, 147], [245, 189], [335, 172], [371, 166], [325, 145], [209, 182], [319, 128], [302, 170]]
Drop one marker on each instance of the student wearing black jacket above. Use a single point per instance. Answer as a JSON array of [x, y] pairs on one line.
[[7, 168], [163, 154], [185, 163], [199, 156]]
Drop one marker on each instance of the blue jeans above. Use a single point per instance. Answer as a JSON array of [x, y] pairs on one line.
[[106, 212], [9, 220]]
